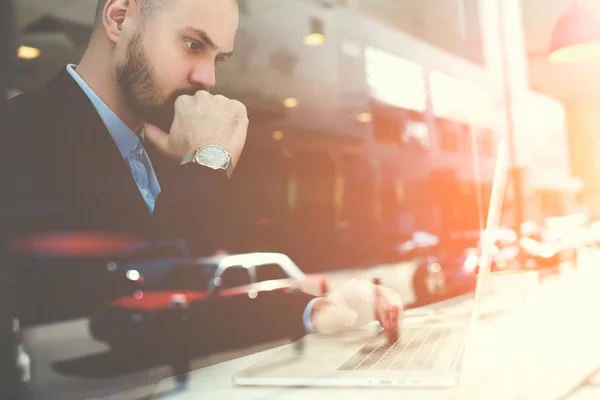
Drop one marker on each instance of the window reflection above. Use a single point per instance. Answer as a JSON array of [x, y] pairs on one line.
[[356, 142]]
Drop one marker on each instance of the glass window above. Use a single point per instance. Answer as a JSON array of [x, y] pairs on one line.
[[338, 165], [188, 277], [269, 272], [234, 277], [451, 25], [395, 81]]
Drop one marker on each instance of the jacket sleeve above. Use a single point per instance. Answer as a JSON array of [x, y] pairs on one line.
[[191, 206], [271, 316]]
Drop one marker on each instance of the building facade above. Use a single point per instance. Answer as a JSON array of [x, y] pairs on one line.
[[370, 120], [396, 122]]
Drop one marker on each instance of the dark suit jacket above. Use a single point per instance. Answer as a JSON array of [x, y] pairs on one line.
[[62, 171]]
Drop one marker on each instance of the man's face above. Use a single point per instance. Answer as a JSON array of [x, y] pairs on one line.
[[175, 52]]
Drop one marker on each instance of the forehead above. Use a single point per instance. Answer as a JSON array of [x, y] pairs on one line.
[[218, 18]]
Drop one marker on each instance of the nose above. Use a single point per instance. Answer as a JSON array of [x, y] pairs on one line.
[[204, 75]]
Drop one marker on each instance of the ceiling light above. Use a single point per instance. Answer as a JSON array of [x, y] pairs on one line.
[[278, 135], [316, 37], [28, 53], [576, 36], [364, 117], [290, 102]]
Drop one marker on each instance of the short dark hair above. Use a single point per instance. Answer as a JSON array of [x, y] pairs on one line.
[[147, 8]]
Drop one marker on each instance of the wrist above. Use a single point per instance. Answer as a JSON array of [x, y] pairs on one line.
[[188, 157], [319, 305], [211, 156]]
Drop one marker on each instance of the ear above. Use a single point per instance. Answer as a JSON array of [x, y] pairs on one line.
[[113, 18]]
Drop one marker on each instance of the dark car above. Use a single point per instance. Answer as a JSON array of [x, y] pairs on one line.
[[448, 268], [208, 295]]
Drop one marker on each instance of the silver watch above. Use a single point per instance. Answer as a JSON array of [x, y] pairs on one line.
[[212, 156]]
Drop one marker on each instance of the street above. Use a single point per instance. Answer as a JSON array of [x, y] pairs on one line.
[[69, 364]]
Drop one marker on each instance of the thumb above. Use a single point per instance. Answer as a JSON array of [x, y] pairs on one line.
[[334, 318], [346, 316], [157, 137]]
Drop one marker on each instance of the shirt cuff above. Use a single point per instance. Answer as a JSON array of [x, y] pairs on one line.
[[307, 313]]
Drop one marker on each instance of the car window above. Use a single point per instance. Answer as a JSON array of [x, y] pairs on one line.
[[269, 272], [188, 277], [235, 276]]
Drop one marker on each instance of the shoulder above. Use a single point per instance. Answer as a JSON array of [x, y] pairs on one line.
[[18, 106], [24, 118], [21, 110]]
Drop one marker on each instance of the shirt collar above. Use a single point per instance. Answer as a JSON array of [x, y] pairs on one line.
[[125, 138]]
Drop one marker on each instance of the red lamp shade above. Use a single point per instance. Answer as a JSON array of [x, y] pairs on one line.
[[576, 36]]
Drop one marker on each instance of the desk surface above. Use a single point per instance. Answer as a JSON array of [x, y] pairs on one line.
[[541, 348]]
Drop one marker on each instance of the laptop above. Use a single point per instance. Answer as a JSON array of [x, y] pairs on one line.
[[431, 351]]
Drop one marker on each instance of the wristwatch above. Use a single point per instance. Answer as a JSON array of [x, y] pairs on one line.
[[212, 156]]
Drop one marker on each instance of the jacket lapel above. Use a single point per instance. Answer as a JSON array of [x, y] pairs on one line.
[[103, 184]]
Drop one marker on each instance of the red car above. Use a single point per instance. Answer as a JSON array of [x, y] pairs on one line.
[[216, 294]]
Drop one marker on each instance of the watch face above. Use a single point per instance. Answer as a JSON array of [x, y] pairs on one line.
[[213, 157]]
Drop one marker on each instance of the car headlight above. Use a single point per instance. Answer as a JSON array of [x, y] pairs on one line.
[[471, 262], [546, 251], [434, 267]]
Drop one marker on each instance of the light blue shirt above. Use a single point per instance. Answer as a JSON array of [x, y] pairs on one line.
[[131, 147], [129, 144], [306, 316]]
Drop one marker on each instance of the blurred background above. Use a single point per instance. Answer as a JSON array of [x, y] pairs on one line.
[[369, 114], [373, 146]]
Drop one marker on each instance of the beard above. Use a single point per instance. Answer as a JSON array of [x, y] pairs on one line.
[[139, 85]]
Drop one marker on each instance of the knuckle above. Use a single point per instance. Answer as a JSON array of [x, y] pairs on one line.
[[201, 96], [241, 107], [183, 99]]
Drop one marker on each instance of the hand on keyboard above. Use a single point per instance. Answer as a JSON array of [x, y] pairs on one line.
[[354, 305]]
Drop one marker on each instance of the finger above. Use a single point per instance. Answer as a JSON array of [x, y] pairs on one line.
[[156, 136], [393, 331], [381, 311], [389, 315], [393, 318], [391, 297], [394, 302]]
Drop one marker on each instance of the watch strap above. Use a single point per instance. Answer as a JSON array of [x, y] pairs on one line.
[[189, 157], [229, 168]]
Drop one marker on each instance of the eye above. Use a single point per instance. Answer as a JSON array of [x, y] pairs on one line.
[[219, 60], [194, 46]]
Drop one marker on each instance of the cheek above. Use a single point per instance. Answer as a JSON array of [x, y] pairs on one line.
[[169, 62]]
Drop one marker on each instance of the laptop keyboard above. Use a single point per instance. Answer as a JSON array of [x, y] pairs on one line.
[[418, 348]]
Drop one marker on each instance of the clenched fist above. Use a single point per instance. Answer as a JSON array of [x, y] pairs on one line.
[[201, 120]]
